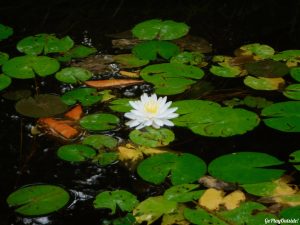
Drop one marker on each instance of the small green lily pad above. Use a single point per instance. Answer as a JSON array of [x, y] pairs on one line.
[[73, 75], [86, 96], [130, 61], [113, 199], [264, 83], [191, 58], [5, 81], [184, 168], [3, 57], [222, 71], [260, 50], [77, 52], [99, 122], [183, 193], [151, 137], [43, 105], [5, 32], [107, 158], [295, 73], [292, 91], [99, 141], [37, 200], [76, 153], [121, 105], [245, 167]]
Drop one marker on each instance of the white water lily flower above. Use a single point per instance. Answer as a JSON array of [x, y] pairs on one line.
[[150, 111]]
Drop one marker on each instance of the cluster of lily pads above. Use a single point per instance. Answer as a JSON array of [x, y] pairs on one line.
[[171, 71]]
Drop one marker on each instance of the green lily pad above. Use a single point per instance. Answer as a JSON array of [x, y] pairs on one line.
[[150, 49], [73, 75], [295, 158], [283, 116], [248, 213], [295, 73], [36, 200], [107, 158], [262, 51], [151, 137], [77, 52], [25, 67], [121, 105], [291, 56], [210, 119], [43, 105], [130, 61], [228, 71], [111, 199], [44, 43], [153, 208], [263, 189], [86, 96], [99, 141], [291, 213], [171, 78], [200, 216], [5, 81], [184, 168], [245, 167], [98, 122], [183, 193], [267, 68], [191, 58], [76, 153], [3, 57], [5, 32], [292, 91], [163, 30], [263, 83], [129, 219]]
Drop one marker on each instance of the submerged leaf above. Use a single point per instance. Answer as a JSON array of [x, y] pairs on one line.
[[267, 68]]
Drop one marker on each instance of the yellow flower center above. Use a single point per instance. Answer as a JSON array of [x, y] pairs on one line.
[[151, 107]]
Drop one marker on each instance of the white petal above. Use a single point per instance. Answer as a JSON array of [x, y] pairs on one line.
[[158, 122], [134, 104], [168, 123], [144, 98], [133, 123], [155, 126], [171, 116], [140, 126]]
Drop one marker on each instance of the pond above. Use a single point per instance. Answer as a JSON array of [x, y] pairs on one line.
[[88, 132]]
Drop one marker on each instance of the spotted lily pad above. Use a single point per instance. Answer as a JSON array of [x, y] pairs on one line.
[[36, 200], [267, 68], [73, 75], [191, 58], [5, 81], [5, 32], [113, 199], [86, 96], [43, 105], [130, 61], [163, 30], [100, 121], [283, 116], [150, 49], [151, 137], [44, 43], [263, 83], [185, 168], [259, 50], [25, 67], [245, 167], [76, 152]]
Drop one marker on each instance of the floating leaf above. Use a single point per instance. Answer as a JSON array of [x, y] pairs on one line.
[[163, 30], [130, 155], [153, 208], [171, 78], [202, 217], [295, 158], [175, 217], [76, 153], [245, 167], [130, 61], [291, 213], [256, 102], [210, 119], [258, 50], [107, 158], [150, 49], [98, 122], [263, 83], [86, 96], [43, 105], [247, 213], [151, 137], [292, 91], [44, 43], [121, 105], [291, 57], [3, 57], [295, 73], [111, 199], [36, 200], [267, 68], [99, 141], [73, 75], [16, 95], [228, 71], [78, 52], [5, 32], [129, 219], [185, 168], [283, 116], [5, 81], [24, 67], [192, 58], [183, 193], [112, 83]]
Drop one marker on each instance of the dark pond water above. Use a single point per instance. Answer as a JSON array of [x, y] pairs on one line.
[[225, 24]]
